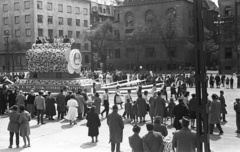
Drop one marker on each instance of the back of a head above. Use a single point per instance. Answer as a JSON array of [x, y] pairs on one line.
[[96, 94], [159, 93], [149, 126], [158, 119], [72, 96], [115, 108], [22, 108], [136, 128], [139, 95]]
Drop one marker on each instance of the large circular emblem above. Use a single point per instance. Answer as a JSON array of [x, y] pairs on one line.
[[75, 59]]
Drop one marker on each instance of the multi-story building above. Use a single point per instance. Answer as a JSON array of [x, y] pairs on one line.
[[25, 20], [133, 13], [229, 35]]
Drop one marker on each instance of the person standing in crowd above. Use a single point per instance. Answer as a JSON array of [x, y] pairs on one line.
[[151, 106], [84, 94], [184, 140], [81, 103], [3, 104], [117, 97], [116, 126], [105, 99], [223, 106], [211, 81], [38, 41], [139, 89], [128, 108], [61, 108], [20, 99], [193, 106], [223, 79], [158, 127], [231, 82], [171, 106], [93, 123], [134, 112], [217, 79], [141, 108], [128, 96], [13, 125], [237, 109], [215, 114], [50, 108], [23, 120], [179, 112], [159, 105], [12, 98], [173, 90], [72, 110], [152, 141], [135, 141], [97, 103], [40, 104], [185, 99], [30, 103]]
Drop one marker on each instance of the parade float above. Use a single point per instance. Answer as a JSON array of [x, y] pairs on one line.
[[52, 67]]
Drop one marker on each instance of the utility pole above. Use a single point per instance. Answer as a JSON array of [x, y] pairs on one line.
[[200, 80]]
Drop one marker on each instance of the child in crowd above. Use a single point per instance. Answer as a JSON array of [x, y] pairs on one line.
[[128, 108], [171, 106], [134, 112]]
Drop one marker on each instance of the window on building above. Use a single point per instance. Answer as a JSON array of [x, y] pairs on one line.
[[60, 8], [171, 52], [85, 11], [108, 10], [49, 6], [17, 19], [149, 16], [50, 19], [60, 20], [86, 46], [85, 23], [69, 33], [129, 19], [117, 34], [5, 20], [130, 53], [5, 7], [104, 11], [69, 21], [150, 52], [39, 4], [77, 9], [228, 53], [60, 33], [27, 19], [78, 46], [78, 34], [69, 9], [16, 6], [50, 32], [110, 53], [40, 32], [99, 8], [28, 45], [17, 33], [27, 4], [28, 32], [129, 31], [40, 19], [117, 53], [77, 22], [228, 67], [86, 59], [6, 32], [228, 11]]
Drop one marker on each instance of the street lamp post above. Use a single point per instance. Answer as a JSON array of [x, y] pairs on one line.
[[7, 59]]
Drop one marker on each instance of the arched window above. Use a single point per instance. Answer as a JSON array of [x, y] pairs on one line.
[[86, 59], [171, 13], [228, 11], [129, 19], [149, 16]]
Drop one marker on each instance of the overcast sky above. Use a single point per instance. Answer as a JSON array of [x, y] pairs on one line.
[[216, 1]]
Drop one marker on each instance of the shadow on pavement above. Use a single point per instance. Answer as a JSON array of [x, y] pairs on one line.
[[35, 126], [88, 145], [12, 149], [67, 126], [215, 137]]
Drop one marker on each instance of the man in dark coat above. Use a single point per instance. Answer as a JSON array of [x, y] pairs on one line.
[[223, 79], [223, 106], [211, 81], [61, 107], [217, 79], [116, 126], [3, 104], [237, 109], [135, 141], [179, 111], [231, 83], [12, 98]]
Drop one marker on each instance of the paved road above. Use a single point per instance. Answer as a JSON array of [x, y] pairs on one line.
[[60, 136]]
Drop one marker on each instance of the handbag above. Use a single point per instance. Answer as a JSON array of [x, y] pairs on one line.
[[118, 100]]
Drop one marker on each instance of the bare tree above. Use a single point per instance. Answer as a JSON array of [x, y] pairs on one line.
[[102, 39]]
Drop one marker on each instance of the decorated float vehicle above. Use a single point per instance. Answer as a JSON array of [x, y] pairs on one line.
[[52, 67]]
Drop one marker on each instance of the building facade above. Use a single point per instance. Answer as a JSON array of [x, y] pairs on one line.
[[25, 20], [133, 13], [229, 37]]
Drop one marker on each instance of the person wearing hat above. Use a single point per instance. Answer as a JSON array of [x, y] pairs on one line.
[[179, 111], [152, 141], [13, 125], [184, 140], [215, 114], [93, 124], [193, 106], [237, 109], [40, 104], [135, 141], [61, 107], [223, 106], [116, 126], [158, 127]]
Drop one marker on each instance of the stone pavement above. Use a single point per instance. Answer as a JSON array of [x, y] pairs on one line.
[[60, 136]]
